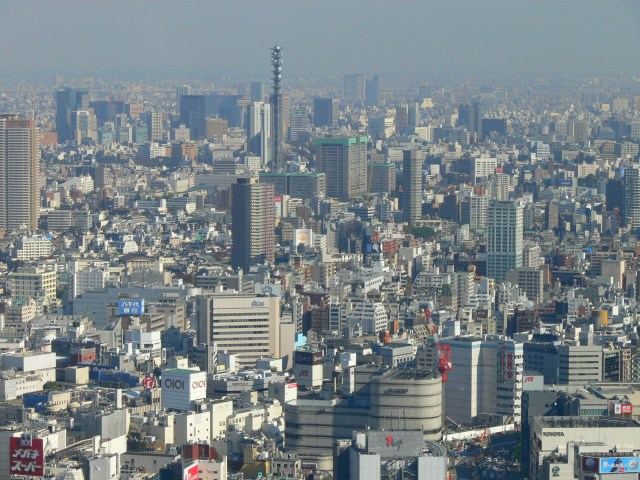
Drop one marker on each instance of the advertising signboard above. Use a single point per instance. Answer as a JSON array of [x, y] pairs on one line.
[[609, 465], [190, 472], [26, 456], [619, 465], [131, 307], [149, 382], [306, 357]]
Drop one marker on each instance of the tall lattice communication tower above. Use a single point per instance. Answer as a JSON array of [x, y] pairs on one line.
[[276, 63]]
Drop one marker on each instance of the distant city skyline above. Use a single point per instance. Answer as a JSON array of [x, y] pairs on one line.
[[434, 37]]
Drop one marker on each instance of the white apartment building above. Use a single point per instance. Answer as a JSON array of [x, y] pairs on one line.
[[371, 316], [33, 248], [88, 280], [483, 166]]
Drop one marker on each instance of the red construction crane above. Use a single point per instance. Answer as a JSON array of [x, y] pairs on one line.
[[444, 360]]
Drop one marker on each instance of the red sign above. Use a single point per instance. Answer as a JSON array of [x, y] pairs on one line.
[[191, 472], [26, 456], [626, 409], [389, 440], [149, 382]]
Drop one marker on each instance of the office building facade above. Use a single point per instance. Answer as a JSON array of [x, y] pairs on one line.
[[344, 162], [325, 112], [504, 238], [244, 325], [253, 214]]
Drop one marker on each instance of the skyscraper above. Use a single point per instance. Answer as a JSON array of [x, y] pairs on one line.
[[470, 116], [68, 101], [85, 126], [344, 162], [155, 125], [299, 123], [504, 237], [412, 166], [353, 88], [257, 91], [19, 173], [475, 124], [181, 90], [106, 110], [253, 215], [631, 206], [192, 114], [413, 117], [372, 92], [325, 112], [259, 130]]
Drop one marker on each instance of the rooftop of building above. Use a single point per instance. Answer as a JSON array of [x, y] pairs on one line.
[[587, 422], [410, 374]]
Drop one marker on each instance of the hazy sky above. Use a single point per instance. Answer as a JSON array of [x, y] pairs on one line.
[[429, 37]]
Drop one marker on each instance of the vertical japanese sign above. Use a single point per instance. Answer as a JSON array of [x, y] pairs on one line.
[[26, 456]]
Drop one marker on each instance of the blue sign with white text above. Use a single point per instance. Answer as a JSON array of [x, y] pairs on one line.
[[131, 307]]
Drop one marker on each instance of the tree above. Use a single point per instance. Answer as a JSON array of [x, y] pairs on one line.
[[424, 233]]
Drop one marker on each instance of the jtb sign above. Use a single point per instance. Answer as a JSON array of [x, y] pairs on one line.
[[26, 456], [132, 307]]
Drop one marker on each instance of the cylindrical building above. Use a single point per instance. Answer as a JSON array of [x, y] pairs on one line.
[[406, 399]]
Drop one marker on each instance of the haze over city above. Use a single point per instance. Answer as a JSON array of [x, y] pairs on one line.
[[319, 240], [434, 38]]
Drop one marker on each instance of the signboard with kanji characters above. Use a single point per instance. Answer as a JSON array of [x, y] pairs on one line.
[[26, 456], [131, 307]]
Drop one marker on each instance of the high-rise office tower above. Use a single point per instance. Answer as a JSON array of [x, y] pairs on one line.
[[372, 92], [68, 101], [325, 112], [253, 215], [299, 122], [181, 90], [344, 162], [413, 117], [412, 167], [470, 116], [277, 106], [504, 237], [353, 88], [381, 175], [19, 173], [257, 91], [631, 206], [259, 132], [402, 117], [106, 110], [476, 117], [192, 114], [614, 195], [85, 126], [464, 114], [155, 125]]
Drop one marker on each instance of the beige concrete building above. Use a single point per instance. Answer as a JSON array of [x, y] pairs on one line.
[[244, 325], [34, 282]]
